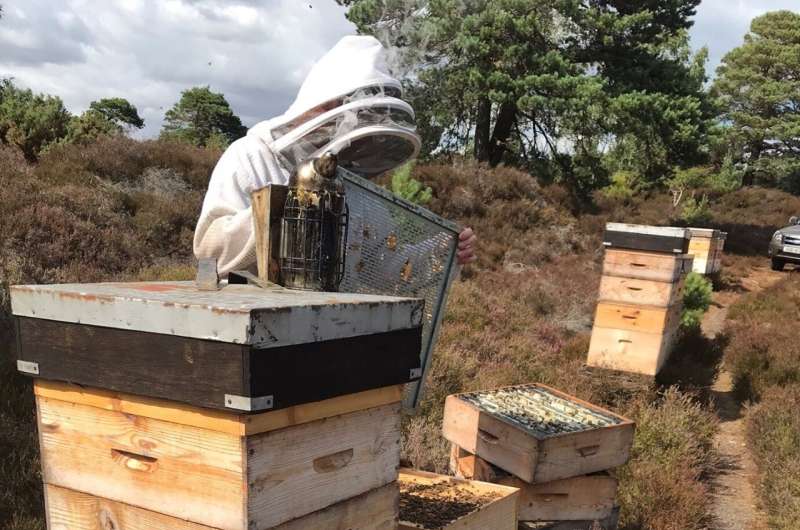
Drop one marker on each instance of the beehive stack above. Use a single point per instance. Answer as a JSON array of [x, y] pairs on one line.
[[160, 406], [706, 247], [640, 300], [554, 447]]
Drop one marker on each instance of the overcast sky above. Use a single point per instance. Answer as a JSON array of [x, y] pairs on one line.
[[255, 52]]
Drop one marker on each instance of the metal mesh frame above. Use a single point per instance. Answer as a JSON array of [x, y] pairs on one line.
[[397, 248]]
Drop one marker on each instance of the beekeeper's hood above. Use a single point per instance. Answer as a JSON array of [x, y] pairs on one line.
[[350, 105]]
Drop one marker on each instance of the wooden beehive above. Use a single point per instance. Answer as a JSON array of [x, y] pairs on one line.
[[537, 433], [640, 298], [582, 498], [423, 495], [706, 246], [153, 462], [242, 347]]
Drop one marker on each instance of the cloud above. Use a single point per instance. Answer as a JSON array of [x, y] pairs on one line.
[[148, 51], [722, 24]]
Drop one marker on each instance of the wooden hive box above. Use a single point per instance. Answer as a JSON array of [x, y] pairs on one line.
[[428, 496], [705, 247], [242, 347], [71, 510], [644, 292], [537, 433], [665, 239], [630, 351], [657, 266], [640, 318], [222, 470], [587, 497], [608, 523]]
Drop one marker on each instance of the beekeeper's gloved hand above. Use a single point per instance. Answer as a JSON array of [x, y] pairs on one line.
[[467, 241]]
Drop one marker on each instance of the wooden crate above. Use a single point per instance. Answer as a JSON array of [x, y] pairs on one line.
[[633, 317], [71, 510], [586, 497], [635, 291], [575, 447], [222, 472], [644, 237], [630, 351], [242, 347], [608, 523], [498, 514], [662, 267]]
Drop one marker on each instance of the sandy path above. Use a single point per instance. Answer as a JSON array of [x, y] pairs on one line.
[[734, 492]]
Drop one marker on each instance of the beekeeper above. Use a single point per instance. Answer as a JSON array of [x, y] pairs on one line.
[[349, 105]]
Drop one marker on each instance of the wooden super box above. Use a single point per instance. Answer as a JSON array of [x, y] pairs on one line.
[[174, 466], [537, 433]]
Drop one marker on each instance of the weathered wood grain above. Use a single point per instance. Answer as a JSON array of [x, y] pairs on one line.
[[177, 470], [72, 510], [635, 291], [630, 351], [228, 422], [572, 499], [297, 471], [645, 265], [537, 459], [217, 479], [500, 514], [634, 317]]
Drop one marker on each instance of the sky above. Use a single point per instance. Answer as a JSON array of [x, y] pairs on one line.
[[256, 52]]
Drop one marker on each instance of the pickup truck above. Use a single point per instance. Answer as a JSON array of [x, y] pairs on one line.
[[784, 247]]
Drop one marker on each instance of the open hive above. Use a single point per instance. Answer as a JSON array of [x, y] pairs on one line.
[[437, 502], [539, 411], [536, 432]]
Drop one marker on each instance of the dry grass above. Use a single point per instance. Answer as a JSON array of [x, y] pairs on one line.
[[82, 216], [773, 429], [764, 357], [763, 351]]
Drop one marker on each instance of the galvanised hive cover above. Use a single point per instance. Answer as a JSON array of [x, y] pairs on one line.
[[397, 248]]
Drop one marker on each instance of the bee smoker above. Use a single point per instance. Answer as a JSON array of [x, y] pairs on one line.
[[314, 227]]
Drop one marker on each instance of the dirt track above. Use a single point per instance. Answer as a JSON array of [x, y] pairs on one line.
[[735, 502]]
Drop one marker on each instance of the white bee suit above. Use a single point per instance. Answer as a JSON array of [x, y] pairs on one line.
[[353, 78]]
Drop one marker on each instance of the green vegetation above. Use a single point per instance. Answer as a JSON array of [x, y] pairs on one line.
[[118, 111], [202, 117], [545, 85], [30, 121], [407, 187], [760, 97], [696, 300]]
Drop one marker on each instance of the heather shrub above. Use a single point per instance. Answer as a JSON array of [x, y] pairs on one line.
[[773, 432], [662, 486], [115, 209], [762, 351]]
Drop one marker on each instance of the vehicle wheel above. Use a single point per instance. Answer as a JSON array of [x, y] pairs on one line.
[[777, 264]]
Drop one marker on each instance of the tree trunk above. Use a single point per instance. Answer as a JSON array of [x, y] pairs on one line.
[[502, 130], [483, 127]]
